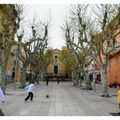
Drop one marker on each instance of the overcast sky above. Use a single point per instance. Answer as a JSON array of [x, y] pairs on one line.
[[56, 13]]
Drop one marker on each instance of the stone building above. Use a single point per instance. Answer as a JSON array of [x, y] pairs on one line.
[[56, 66], [14, 65]]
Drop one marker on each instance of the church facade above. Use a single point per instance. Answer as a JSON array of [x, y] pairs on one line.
[[56, 66]]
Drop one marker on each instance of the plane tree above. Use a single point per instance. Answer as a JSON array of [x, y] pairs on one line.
[[68, 58], [42, 65], [9, 24], [108, 19], [99, 34], [32, 49], [77, 29]]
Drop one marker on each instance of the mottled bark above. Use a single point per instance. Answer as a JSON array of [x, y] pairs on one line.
[[78, 79], [104, 80], [41, 76], [73, 77], [80, 82], [3, 71], [88, 85], [23, 77]]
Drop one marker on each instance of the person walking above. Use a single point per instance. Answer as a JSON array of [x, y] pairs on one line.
[[2, 98], [30, 88], [47, 81], [58, 81], [119, 97]]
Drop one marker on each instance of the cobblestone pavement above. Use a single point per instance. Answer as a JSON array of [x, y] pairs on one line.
[[64, 100]]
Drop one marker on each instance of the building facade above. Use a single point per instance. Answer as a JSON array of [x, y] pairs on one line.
[[114, 68], [14, 65], [56, 66], [114, 64], [7, 32]]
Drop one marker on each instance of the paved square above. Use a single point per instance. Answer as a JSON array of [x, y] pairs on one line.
[[64, 100]]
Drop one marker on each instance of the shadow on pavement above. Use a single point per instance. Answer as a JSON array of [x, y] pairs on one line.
[[115, 114]]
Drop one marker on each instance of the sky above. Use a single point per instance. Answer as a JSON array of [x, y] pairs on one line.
[[56, 13]]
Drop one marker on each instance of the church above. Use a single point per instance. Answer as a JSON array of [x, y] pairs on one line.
[[56, 67]]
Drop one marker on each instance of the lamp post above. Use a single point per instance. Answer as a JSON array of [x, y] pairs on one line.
[[16, 68], [94, 74]]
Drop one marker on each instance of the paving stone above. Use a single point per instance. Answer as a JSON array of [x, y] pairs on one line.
[[64, 100]]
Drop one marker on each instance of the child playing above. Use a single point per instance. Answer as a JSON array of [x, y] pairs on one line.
[[30, 88]]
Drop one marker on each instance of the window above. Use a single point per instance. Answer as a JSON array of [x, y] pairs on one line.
[[55, 56], [55, 61]]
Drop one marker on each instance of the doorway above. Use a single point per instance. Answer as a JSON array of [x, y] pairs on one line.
[[55, 69]]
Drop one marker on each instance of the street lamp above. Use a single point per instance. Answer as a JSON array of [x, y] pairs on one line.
[[16, 68], [94, 74]]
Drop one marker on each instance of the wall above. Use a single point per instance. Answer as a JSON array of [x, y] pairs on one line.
[[114, 69], [9, 67]]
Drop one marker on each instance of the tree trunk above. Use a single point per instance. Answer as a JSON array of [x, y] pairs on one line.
[[41, 76], [104, 80], [77, 78], [4, 62], [88, 85], [30, 76], [3, 70], [23, 77], [80, 82], [74, 78]]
